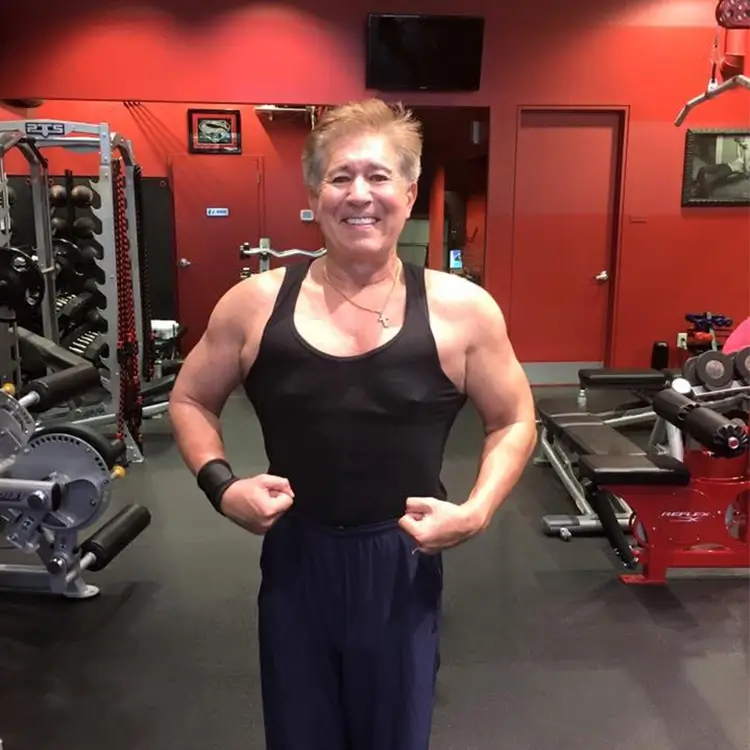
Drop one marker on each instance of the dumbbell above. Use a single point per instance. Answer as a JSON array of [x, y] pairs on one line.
[[59, 225], [58, 196], [82, 196], [82, 343], [97, 322], [84, 227], [61, 300], [88, 255]]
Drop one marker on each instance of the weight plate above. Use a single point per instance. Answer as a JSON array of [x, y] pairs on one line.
[[715, 370], [689, 371], [58, 453], [21, 280], [742, 364]]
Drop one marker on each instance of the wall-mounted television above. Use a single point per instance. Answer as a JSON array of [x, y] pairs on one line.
[[424, 52]]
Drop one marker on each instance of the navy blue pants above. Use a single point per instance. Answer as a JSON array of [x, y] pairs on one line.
[[348, 629]]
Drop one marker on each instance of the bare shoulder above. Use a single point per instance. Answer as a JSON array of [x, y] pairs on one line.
[[250, 296], [463, 302]]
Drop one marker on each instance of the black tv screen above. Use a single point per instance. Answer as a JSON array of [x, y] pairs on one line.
[[424, 52]]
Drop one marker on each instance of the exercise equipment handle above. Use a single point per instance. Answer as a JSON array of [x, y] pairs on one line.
[[31, 494], [42, 394], [102, 547], [720, 435], [246, 251]]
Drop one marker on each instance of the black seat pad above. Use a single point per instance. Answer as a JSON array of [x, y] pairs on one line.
[[547, 408], [599, 440], [558, 424], [605, 378], [637, 470]]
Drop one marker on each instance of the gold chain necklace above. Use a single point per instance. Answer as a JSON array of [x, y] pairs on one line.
[[382, 318]]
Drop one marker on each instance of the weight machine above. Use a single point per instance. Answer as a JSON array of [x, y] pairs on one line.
[[731, 15], [54, 482], [692, 504], [119, 274], [716, 379], [265, 252]]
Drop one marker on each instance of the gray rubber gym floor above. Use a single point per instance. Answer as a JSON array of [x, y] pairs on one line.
[[543, 647]]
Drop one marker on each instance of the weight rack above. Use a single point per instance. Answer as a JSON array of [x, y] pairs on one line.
[[12, 136], [84, 137]]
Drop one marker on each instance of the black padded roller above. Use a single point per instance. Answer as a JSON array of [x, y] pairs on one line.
[[61, 386], [717, 433], [714, 431], [116, 535]]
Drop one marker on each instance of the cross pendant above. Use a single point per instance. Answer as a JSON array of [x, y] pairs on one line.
[[383, 320]]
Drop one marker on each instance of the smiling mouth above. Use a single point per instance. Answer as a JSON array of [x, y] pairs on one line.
[[361, 221]]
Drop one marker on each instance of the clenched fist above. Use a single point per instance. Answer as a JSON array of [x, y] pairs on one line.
[[436, 525], [258, 502]]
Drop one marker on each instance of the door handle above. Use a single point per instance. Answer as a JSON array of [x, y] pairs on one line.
[[184, 263], [601, 277]]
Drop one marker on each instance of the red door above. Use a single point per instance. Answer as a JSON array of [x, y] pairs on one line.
[[217, 208], [565, 220]]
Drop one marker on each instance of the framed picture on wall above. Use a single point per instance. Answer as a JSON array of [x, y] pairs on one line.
[[716, 171], [214, 131]]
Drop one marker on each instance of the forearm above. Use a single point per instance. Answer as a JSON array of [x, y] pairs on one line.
[[504, 456], [197, 431]]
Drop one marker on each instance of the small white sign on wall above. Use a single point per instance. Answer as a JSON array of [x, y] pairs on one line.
[[217, 212]]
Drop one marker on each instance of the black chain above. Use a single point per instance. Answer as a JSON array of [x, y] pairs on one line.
[[147, 335]]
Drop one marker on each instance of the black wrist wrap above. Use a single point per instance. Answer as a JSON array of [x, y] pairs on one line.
[[213, 478]]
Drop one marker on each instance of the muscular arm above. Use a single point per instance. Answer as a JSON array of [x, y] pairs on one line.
[[499, 389], [208, 376]]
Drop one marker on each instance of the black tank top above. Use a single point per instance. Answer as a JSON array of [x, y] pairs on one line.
[[355, 436]]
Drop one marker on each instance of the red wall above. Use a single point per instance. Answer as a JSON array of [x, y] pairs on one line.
[[158, 130], [583, 54]]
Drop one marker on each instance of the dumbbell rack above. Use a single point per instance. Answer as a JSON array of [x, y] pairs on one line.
[[78, 136]]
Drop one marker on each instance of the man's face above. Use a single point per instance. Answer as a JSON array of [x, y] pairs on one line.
[[364, 201]]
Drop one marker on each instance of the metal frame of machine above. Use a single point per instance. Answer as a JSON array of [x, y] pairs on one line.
[[12, 137], [33, 135]]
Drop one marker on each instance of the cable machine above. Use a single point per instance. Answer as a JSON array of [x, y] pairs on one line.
[[732, 16]]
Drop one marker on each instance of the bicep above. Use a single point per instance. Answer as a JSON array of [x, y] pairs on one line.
[[495, 381], [212, 369]]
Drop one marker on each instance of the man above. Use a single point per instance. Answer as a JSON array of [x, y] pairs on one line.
[[357, 365]]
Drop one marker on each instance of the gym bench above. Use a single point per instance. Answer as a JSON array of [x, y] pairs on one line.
[[565, 438], [643, 384], [568, 430]]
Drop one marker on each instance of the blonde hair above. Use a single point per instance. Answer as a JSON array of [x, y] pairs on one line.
[[357, 118]]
